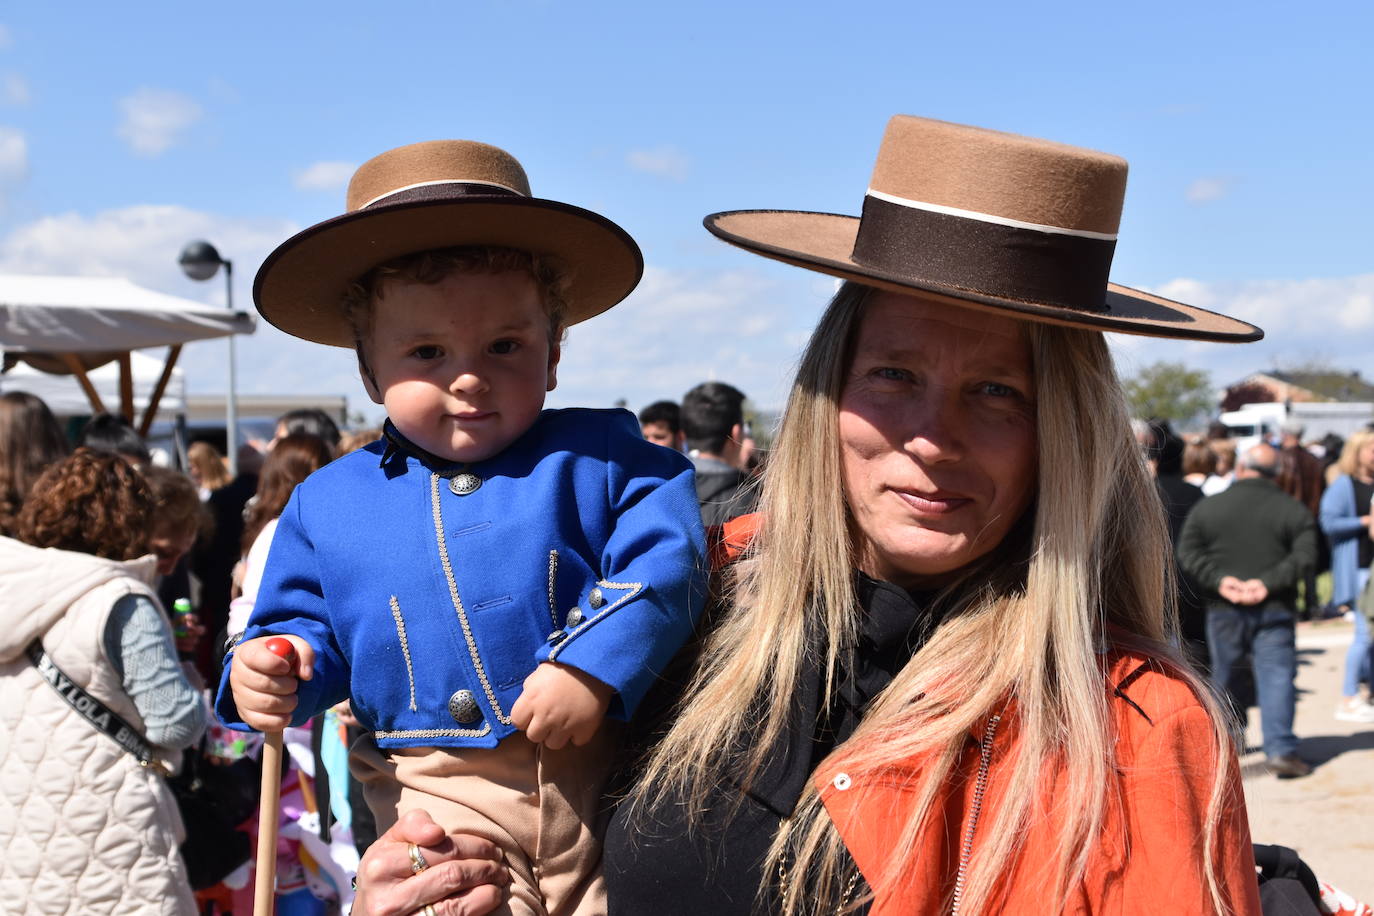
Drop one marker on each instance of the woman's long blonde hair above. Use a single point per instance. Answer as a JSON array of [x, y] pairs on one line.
[[1026, 621]]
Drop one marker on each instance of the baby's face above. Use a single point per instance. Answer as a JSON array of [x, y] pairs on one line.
[[462, 365]]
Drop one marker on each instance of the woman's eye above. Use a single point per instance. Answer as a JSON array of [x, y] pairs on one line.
[[426, 352], [504, 347], [999, 390], [889, 374]]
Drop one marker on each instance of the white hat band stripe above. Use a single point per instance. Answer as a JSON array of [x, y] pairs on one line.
[[425, 184], [988, 217]]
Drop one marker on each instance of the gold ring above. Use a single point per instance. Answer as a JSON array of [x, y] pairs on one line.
[[417, 863]]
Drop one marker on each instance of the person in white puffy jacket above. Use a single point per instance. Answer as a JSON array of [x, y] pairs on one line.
[[84, 826]]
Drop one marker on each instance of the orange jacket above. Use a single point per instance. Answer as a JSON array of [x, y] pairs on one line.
[[1149, 858]]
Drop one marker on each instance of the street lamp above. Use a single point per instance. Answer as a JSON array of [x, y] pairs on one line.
[[200, 261]]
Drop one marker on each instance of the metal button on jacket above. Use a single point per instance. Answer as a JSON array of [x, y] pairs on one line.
[[596, 599], [556, 637], [464, 483], [463, 707], [574, 616]]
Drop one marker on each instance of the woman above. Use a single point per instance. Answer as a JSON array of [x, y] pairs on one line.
[[942, 676], [293, 458], [77, 594], [207, 468], [1345, 517], [1199, 461], [1225, 471], [30, 441]]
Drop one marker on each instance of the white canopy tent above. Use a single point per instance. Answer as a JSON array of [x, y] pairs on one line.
[[64, 396], [70, 325]]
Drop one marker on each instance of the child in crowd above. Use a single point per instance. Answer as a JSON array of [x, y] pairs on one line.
[[491, 580]]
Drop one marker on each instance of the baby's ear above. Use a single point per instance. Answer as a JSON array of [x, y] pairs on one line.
[[555, 354]]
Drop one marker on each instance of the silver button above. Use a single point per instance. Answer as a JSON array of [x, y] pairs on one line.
[[842, 782], [556, 637], [463, 707], [574, 616], [596, 599], [464, 483]]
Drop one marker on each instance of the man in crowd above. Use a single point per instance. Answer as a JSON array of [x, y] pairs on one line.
[[713, 424], [661, 424], [1247, 548]]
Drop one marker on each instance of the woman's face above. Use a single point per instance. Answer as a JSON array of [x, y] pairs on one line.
[[937, 436], [1364, 459]]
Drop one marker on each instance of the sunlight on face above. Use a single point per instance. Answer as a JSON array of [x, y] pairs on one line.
[[937, 436], [463, 364]]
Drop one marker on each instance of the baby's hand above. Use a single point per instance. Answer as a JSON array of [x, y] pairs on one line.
[[560, 704], [264, 684]]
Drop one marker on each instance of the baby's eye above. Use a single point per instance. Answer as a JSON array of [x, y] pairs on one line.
[[505, 347], [426, 352]]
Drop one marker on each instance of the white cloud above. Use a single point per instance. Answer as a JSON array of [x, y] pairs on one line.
[[1206, 190], [1331, 317], [14, 89], [154, 119], [680, 328], [142, 244], [14, 154], [664, 161], [324, 176]]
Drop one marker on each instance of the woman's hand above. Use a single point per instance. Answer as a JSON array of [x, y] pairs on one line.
[[465, 875]]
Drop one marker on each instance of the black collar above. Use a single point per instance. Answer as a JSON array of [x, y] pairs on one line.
[[398, 446]]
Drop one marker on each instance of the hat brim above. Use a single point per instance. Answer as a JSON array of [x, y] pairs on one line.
[[300, 286], [824, 242]]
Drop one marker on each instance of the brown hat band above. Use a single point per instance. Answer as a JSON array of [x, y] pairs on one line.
[[978, 253], [441, 190]]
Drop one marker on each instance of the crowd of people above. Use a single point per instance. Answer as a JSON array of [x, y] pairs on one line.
[[917, 656], [1253, 532]]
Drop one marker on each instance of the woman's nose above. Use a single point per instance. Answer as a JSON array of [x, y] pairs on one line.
[[936, 434]]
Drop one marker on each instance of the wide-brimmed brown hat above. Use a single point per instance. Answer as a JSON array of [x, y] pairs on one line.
[[986, 220], [439, 194]]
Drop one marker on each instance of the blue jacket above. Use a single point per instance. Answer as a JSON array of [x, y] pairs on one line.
[[1340, 519], [582, 545]]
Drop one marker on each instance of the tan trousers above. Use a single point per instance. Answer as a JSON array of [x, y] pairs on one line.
[[539, 806]]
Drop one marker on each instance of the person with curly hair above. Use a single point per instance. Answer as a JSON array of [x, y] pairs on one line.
[[78, 610], [30, 441]]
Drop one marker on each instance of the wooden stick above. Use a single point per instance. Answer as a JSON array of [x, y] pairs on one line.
[[150, 412], [126, 386], [75, 367], [265, 885]]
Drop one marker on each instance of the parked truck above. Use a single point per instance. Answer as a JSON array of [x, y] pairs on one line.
[[1255, 421]]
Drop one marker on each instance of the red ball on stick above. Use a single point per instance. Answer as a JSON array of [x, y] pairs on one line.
[[281, 647]]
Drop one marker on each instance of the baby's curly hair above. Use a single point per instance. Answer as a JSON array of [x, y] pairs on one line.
[[90, 502]]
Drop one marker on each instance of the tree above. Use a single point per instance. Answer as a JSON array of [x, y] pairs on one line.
[[1170, 391], [1237, 396]]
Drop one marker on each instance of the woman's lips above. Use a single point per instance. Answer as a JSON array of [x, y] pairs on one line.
[[933, 503]]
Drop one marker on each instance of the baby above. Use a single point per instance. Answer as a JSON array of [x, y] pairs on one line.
[[491, 581]]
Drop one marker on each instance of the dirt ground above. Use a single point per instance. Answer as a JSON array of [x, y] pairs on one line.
[[1327, 817]]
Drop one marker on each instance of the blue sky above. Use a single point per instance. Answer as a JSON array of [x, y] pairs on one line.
[[127, 130]]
